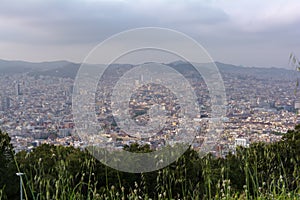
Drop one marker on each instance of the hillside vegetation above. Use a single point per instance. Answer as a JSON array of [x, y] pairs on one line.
[[262, 171]]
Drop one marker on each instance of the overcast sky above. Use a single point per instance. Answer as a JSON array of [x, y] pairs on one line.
[[249, 33]]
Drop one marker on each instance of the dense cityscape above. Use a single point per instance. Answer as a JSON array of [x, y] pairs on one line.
[[149, 100], [37, 109]]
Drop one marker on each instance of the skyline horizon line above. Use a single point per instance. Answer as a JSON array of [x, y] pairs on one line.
[[288, 66]]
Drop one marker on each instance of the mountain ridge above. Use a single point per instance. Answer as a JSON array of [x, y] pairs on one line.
[[63, 68]]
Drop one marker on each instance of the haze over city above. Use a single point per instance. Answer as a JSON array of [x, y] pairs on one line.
[[149, 99]]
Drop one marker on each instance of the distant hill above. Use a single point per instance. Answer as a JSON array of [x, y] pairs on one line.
[[69, 69], [12, 67], [259, 72]]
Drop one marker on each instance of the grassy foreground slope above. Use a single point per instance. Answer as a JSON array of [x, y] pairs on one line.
[[263, 171]]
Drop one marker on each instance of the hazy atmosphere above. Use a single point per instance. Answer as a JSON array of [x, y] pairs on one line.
[[249, 33], [149, 99]]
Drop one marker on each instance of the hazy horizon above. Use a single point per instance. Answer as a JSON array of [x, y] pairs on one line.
[[247, 33]]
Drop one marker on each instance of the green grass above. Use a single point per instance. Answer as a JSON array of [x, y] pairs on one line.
[[263, 171], [42, 185]]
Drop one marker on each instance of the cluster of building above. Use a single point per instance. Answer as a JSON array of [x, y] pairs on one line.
[[38, 109]]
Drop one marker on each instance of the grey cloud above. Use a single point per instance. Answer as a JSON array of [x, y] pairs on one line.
[[55, 23], [67, 22], [80, 21]]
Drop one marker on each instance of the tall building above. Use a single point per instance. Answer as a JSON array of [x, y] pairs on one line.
[[5, 103], [297, 108], [18, 89], [297, 104]]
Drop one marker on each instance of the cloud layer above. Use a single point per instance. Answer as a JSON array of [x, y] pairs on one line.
[[241, 32]]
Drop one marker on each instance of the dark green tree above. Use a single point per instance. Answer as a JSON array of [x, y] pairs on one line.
[[8, 178]]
